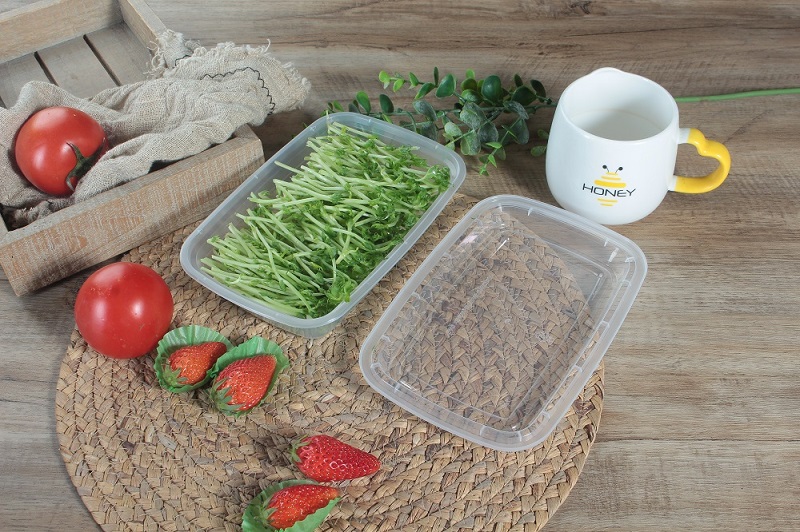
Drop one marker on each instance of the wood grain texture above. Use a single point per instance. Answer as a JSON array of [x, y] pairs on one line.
[[121, 53], [142, 21], [83, 82], [48, 22], [15, 74], [699, 428], [73, 239], [111, 223]]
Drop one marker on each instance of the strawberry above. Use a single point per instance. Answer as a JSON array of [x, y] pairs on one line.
[[243, 383], [326, 459], [294, 503], [189, 365]]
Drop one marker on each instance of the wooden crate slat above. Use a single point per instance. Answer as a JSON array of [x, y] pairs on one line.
[[123, 55], [111, 223], [142, 21], [75, 68], [49, 22], [15, 74]]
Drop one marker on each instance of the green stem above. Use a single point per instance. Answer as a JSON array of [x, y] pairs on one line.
[[737, 95], [83, 164]]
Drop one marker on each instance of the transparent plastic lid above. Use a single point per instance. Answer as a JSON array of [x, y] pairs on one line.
[[501, 327]]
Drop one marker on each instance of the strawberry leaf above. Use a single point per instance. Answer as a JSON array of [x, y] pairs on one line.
[[256, 515], [253, 347], [174, 340]]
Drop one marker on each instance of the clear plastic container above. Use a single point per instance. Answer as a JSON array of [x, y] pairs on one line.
[[501, 327], [196, 245]]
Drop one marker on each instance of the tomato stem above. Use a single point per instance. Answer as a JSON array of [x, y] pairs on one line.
[[83, 163]]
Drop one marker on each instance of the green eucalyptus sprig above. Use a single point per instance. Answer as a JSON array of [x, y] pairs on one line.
[[478, 117]]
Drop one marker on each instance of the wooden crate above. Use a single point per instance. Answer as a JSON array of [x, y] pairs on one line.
[[85, 46]]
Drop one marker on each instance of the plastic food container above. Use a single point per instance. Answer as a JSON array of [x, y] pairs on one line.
[[196, 245], [500, 328]]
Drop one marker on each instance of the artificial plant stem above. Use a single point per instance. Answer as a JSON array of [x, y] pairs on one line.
[[737, 95]]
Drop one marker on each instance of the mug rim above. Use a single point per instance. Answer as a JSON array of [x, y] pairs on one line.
[[669, 125]]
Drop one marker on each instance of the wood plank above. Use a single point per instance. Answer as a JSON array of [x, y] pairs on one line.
[[49, 22], [74, 67], [80, 236], [665, 485], [8, 5], [15, 74], [44, 320], [144, 23], [121, 52]]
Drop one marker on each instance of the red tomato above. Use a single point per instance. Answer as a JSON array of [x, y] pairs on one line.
[[123, 310], [56, 146]]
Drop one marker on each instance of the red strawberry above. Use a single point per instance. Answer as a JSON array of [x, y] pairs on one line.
[[326, 459], [189, 364], [295, 503], [242, 384]]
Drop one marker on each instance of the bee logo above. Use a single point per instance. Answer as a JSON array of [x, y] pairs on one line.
[[609, 180], [609, 187]]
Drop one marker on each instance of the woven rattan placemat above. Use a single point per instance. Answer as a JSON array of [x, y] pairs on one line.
[[144, 459]]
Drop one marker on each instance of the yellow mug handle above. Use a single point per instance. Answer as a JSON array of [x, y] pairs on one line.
[[706, 148]]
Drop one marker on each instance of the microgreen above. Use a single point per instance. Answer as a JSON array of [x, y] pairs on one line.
[[305, 247], [476, 116]]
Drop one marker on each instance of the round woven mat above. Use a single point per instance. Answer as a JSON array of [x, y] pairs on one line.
[[142, 458]]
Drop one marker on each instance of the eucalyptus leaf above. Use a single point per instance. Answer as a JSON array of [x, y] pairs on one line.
[[410, 115], [488, 133], [470, 145], [363, 100], [426, 109], [469, 84], [472, 115], [451, 130], [523, 95], [387, 106], [520, 131], [447, 87], [476, 121], [538, 88], [492, 88], [428, 129], [516, 108], [424, 90], [538, 151], [470, 95]]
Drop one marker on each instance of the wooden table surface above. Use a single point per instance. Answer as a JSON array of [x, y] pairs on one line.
[[700, 423]]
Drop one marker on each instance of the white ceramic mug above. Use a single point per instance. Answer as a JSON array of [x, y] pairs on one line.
[[613, 145]]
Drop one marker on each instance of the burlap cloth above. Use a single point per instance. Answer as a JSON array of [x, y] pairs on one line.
[[144, 459], [195, 98]]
